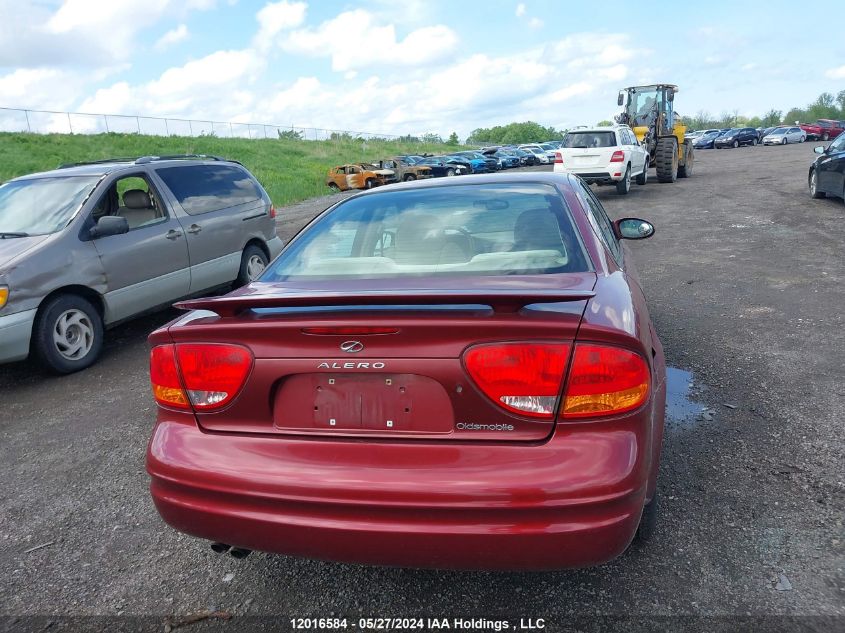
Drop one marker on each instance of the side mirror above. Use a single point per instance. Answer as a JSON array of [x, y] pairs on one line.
[[620, 99], [819, 150], [633, 229], [109, 225]]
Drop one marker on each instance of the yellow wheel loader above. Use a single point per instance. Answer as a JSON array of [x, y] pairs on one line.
[[649, 111]]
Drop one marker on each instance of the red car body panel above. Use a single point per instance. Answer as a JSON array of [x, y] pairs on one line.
[[825, 129], [551, 494]]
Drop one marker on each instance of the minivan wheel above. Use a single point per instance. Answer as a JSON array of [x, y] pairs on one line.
[[253, 263], [68, 334]]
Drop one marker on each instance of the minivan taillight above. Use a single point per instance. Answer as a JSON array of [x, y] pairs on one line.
[[272, 211], [524, 378], [604, 381], [558, 158], [618, 157], [206, 376]]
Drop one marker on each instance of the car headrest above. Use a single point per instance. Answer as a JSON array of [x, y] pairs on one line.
[[537, 229], [137, 199]]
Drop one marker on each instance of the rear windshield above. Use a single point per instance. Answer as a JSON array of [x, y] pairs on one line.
[[583, 140], [502, 229]]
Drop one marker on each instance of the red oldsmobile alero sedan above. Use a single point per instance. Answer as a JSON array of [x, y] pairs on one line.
[[452, 373]]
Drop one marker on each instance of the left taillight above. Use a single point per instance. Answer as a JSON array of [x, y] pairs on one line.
[[205, 376], [605, 380], [523, 378]]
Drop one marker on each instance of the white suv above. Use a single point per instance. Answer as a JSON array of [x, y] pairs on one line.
[[604, 155]]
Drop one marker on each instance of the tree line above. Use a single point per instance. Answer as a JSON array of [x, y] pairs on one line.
[[826, 106]]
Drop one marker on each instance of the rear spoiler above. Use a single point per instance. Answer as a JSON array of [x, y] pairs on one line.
[[500, 300]]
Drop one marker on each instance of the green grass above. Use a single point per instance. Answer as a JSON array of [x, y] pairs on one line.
[[290, 170]]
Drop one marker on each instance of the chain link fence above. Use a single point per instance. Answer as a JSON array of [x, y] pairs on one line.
[[50, 122]]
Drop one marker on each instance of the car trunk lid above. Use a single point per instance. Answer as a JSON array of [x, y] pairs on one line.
[[382, 360]]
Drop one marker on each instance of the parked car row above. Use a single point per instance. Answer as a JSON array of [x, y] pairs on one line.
[[414, 167], [738, 136]]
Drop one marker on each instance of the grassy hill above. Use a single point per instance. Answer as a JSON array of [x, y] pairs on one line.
[[290, 170]]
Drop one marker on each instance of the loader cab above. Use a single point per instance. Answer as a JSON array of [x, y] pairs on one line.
[[643, 106]]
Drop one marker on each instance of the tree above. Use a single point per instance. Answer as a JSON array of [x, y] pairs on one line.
[[453, 139], [603, 123], [840, 99], [772, 117], [293, 135]]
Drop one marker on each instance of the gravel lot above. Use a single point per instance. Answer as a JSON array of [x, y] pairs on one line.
[[745, 283]]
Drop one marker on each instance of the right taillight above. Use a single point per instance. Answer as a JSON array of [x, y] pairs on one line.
[[618, 157], [604, 381], [558, 158]]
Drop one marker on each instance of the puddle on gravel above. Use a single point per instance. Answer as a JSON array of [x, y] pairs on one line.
[[680, 408]]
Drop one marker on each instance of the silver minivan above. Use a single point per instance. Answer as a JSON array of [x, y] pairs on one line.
[[86, 246]]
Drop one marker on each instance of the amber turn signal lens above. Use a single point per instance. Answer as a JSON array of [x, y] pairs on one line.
[[605, 381]]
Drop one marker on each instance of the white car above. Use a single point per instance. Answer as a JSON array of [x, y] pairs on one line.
[[784, 135], [538, 151], [604, 155]]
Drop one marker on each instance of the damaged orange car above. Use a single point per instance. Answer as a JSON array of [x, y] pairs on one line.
[[360, 176]]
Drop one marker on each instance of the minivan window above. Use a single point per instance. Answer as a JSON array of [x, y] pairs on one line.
[[205, 188], [503, 229], [39, 206]]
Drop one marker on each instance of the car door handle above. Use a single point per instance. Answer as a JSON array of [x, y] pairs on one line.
[[195, 228], [172, 234]]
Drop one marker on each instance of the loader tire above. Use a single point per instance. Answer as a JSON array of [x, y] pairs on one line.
[[685, 170], [666, 159]]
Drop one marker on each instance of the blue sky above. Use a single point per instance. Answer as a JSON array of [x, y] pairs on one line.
[[414, 66]]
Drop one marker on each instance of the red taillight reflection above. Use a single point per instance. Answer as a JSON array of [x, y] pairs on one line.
[[617, 157], [205, 375], [521, 377], [605, 381]]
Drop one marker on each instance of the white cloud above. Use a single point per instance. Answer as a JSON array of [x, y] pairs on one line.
[[535, 23], [173, 36], [81, 32], [276, 17], [836, 73], [520, 9], [356, 40]]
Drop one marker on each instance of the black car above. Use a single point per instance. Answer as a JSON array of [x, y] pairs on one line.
[[736, 137], [525, 158], [440, 167], [705, 141], [827, 173]]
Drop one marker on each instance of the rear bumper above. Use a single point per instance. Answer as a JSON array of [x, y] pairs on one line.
[[594, 177], [15, 334], [573, 501]]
